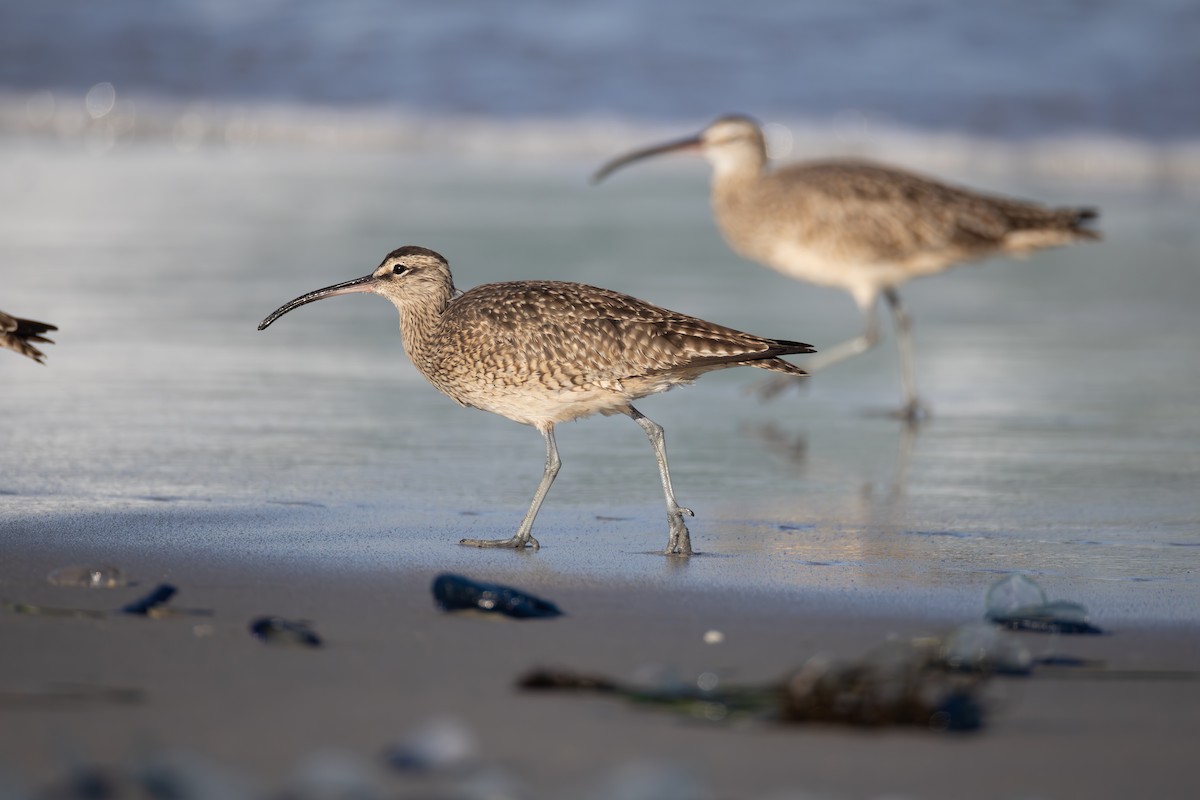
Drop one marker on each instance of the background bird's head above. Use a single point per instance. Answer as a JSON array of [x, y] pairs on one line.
[[733, 142]]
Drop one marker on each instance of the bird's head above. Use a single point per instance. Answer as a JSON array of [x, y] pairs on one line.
[[408, 275], [731, 143]]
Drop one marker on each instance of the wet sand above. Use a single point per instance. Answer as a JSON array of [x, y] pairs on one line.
[[392, 662]]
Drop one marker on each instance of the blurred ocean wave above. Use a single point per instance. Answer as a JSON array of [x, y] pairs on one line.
[[103, 118], [1061, 88], [1003, 70]]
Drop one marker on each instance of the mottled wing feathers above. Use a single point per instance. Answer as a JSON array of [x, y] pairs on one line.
[[1024, 216], [895, 213], [597, 333], [18, 335]]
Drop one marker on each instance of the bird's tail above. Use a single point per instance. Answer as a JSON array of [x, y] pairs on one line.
[[782, 347], [20, 334], [1077, 218], [1034, 227]]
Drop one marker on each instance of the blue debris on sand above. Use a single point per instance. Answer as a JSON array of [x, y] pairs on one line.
[[457, 593], [1018, 603], [145, 606], [287, 632]]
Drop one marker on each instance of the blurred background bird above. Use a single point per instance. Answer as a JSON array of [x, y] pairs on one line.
[[858, 225]]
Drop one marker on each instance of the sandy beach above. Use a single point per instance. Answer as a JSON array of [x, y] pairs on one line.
[[265, 717]]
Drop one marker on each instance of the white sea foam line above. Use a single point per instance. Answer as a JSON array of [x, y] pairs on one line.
[[189, 126]]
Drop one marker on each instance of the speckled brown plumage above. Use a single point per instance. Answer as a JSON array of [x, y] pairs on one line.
[[544, 352], [858, 225], [19, 335], [866, 227]]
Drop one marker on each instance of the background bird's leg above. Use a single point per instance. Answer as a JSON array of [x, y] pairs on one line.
[[828, 356], [524, 535], [679, 541], [913, 409]]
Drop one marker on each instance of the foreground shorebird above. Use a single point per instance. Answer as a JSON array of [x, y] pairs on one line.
[[18, 334], [858, 226], [544, 352]]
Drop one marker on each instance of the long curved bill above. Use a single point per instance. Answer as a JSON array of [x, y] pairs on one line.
[[692, 143], [364, 284]]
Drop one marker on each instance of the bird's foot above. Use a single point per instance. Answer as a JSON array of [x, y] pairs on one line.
[[513, 542], [679, 542], [775, 386], [913, 412]]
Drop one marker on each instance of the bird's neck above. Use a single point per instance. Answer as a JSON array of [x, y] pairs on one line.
[[420, 317], [733, 186], [744, 166]]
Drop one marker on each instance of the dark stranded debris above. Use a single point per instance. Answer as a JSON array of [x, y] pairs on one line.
[[1057, 617], [284, 632], [705, 699], [1018, 603], [873, 693], [457, 593], [933, 682], [153, 606], [900, 686]]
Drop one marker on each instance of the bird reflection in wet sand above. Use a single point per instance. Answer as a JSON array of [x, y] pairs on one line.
[[860, 226], [545, 352], [886, 509], [793, 447], [20, 335]]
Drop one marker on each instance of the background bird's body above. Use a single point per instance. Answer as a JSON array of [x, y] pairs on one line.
[[859, 226], [544, 352], [865, 227]]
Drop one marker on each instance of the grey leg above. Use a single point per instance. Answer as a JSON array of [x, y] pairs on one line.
[[828, 356], [849, 348], [913, 409], [679, 541], [524, 535]]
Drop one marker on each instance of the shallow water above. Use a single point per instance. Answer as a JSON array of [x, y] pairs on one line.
[[1065, 443]]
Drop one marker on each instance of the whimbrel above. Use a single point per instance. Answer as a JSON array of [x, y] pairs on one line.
[[545, 352], [859, 226], [19, 334]]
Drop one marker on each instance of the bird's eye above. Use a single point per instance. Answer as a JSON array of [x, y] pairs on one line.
[[399, 269]]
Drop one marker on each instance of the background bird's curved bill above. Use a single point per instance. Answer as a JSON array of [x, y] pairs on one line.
[[364, 284], [690, 143]]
